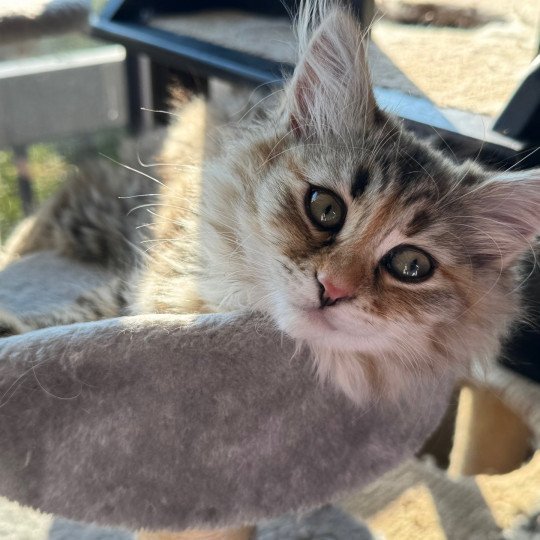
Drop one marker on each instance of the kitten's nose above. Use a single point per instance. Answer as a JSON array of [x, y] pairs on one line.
[[330, 292]]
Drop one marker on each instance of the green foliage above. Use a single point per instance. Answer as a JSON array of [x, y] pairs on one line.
[[97, 5], [48, 165], [47, 170], [10, 204]]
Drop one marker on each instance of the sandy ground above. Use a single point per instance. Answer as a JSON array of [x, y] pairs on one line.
[[468, 69]]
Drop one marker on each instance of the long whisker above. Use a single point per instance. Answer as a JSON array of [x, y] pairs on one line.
[[133, 170]]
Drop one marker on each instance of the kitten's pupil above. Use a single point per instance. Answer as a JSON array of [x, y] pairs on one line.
[[325, 209], [409, 263], [329, 215]]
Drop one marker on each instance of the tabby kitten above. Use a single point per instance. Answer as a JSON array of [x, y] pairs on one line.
[[385, 258], [361, 242]]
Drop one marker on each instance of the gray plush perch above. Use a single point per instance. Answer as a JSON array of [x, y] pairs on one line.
[[175, 422]]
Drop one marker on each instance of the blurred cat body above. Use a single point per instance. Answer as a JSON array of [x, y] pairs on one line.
[[236, 229]]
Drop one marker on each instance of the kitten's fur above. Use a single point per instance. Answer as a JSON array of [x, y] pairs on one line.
[[249, 243]]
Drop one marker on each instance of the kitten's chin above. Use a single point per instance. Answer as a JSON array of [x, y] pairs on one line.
[[317, 329], [359, 365]]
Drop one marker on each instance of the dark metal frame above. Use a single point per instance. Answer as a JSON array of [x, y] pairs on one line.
[[521, 116], [193, 61]]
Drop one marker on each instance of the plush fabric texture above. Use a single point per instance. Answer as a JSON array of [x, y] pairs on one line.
[[42, 282], [418, 500], [27, 19], [23, 523], [43, 289], [164, 423], [169, 422], [415, 500]]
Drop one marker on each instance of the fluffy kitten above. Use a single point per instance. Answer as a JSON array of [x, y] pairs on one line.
[[385, 258], [360, 241]]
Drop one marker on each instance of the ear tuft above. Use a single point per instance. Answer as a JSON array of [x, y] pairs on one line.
[[508, 212], [330, 90]]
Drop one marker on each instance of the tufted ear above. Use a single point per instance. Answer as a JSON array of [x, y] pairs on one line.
[[330, 90], [507, 209]]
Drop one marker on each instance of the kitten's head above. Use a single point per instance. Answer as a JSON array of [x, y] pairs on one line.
[[357, 237]]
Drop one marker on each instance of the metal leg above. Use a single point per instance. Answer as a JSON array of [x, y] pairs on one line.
[[140, 92], [149, 84], [163, 79], [26, 192], [520, 118], [365, 10]]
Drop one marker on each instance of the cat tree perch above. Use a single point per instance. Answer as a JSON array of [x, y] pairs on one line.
[[175, 422]]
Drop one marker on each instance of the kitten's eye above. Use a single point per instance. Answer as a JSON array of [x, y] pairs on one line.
[[409, 263], [325, 209]]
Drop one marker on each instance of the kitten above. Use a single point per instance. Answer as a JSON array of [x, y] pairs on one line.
[[385, 258], [360, 241]]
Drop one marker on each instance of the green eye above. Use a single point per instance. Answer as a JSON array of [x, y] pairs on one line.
[[409, 264], [325, 209]]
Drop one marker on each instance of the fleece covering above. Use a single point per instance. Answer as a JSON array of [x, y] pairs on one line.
[[173, 422]]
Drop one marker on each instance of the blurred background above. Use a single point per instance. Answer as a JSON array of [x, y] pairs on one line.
[[462, 55], [35, 75]]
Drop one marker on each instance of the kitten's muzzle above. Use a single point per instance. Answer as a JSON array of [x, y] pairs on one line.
[[330, 292]]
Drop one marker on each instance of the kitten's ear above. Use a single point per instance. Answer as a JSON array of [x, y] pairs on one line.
[[508, 208], [330, 90]]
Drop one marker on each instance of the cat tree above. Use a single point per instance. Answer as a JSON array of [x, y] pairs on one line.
[[171, 422]]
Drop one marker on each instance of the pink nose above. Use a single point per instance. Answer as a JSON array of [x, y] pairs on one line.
[[331, 292]]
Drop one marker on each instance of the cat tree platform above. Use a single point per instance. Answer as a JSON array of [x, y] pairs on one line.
[[250, 43]]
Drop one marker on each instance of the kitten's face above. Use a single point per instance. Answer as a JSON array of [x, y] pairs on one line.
[[357, 247], [355, 236], [368, 249], [390, 251]]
